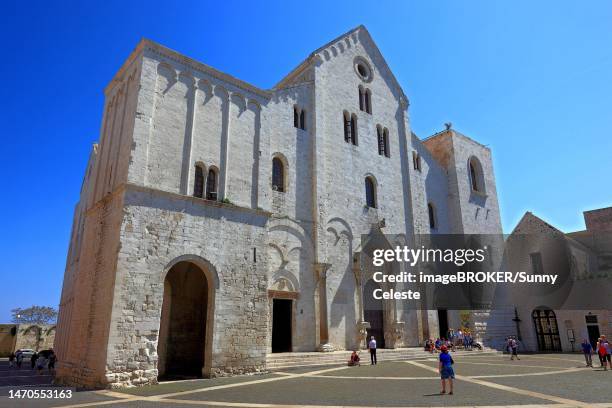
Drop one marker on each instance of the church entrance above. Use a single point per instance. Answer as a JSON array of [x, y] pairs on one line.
[[547, 331], [281, 325], [443, 322], [373, 313], [182, 338]]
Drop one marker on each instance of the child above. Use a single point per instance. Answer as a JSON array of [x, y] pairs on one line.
[[446, 370]]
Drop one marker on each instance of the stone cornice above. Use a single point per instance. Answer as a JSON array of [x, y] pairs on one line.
[[148, 45], [125, 187]]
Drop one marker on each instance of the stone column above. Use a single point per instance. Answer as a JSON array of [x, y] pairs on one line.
[[320, 270]]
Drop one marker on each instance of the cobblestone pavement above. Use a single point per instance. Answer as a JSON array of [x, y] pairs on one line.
[[550, 380]]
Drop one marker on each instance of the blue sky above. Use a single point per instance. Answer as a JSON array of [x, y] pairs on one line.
[[532, 80]]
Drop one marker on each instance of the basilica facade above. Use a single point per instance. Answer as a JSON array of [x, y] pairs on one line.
[[219, 222]]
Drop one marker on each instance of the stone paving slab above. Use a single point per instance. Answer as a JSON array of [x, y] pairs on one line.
[[590, 385], [180, 386], [321, 391], [467, 369], [386, 369]]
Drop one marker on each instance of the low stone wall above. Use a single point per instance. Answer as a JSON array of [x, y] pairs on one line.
[[22, 336]]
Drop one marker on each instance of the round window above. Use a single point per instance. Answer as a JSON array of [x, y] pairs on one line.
[[362, 68]]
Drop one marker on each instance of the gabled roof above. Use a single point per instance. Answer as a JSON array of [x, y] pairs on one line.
[[314, 55]]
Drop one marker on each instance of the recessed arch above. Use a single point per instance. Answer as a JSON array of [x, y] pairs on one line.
[[370, 191], [187, 318], [279, 172]]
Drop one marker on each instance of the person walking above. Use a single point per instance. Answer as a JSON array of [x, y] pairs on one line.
[[41, 362], [19, 359], [446, 370], [602, 352], [372, 348], [514, 348], [587, 350], [33, 359], [607, 352], [53, 359], [11, 360]]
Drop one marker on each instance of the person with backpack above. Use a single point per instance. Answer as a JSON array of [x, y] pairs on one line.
[[446, 369]]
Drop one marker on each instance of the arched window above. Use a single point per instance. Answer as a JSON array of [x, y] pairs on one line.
[[370, 189], [432, 215], [347, 126], [278, 175], [476, 175], [367, 98], [361, 98], [296, 117], [354, 129], [383, 141], [211, 185], [198, 182]]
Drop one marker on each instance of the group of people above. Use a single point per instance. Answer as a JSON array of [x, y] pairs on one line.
[[355, 360], [445, 366], [460, 338], [603, 348], [38, 361]]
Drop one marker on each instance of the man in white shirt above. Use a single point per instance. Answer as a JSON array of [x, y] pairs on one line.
[[372, 347]]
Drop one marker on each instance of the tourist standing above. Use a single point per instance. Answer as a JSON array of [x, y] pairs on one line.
[[602, 352], [446, 370], [587, 350], [372, 348]]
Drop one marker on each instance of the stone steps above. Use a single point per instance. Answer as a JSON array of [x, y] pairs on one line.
[[278, 361]]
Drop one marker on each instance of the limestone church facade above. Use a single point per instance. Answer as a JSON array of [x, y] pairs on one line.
[[219, 222]]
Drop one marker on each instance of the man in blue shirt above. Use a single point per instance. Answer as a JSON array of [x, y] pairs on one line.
[[446, 370], [587, 349]]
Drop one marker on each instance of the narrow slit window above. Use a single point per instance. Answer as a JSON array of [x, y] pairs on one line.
[[432, 215]]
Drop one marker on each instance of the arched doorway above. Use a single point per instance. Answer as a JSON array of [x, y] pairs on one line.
[[187, 303], [547, 331], [373, 313]]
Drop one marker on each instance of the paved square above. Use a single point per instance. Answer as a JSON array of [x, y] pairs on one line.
[[551, 380]]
